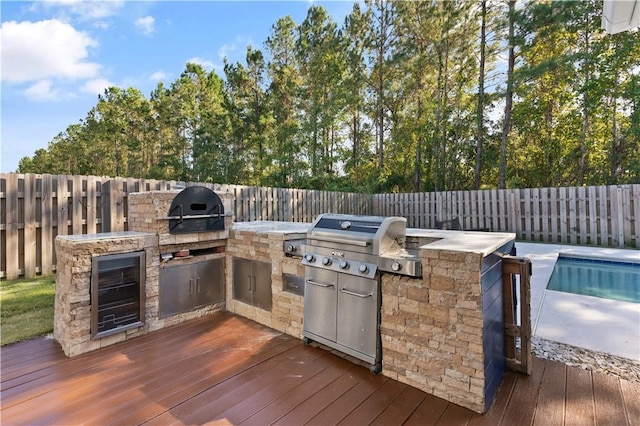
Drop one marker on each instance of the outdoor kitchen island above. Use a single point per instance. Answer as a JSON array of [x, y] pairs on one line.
[[442, 333]]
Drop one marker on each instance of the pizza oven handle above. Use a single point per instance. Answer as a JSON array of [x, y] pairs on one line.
[[194, 216]]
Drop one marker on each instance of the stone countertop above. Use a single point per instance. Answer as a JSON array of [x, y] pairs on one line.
[[293, 229], [462, 241], [105, 235], [484, 243]]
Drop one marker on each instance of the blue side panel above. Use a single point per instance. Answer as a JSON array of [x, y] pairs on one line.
[[493, 324]]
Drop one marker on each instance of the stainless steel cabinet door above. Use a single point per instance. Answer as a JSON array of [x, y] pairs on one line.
[[242, 280], [209, 282], [358, 314], [320, 302], [176, 290], [262, 285]]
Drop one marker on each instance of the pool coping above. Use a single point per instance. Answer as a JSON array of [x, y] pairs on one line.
[[589, 322]]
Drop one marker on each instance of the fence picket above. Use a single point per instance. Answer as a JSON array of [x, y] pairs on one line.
[[46, 234], [626, 212], [29, 220], [593, 217], [554, 214], [573, 224], [77, 205], [544, 213], [503, 211], [63, 206], [620, 210], [582, 214], [636, 215], [91, 206], [615, 212], [12, 250]]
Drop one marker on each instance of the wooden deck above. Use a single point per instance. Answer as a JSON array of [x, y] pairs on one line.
[[229, 370]]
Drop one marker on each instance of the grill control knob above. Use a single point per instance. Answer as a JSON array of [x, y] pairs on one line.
[[344, 264], [291, 248], [363, 268], [309, 257], [396, 266], [326, 261]]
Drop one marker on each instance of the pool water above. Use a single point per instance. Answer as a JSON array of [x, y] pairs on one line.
[[596, 277]]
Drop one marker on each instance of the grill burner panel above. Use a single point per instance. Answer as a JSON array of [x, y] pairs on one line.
[[373, 240], [196, 209]]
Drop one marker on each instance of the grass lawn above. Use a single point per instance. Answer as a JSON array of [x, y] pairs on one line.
[[26, 308]]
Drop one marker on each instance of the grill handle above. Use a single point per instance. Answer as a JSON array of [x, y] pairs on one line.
[[340, 241], [352, 293], [319, 284]]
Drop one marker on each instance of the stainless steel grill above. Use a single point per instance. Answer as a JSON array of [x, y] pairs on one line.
[[344, 257]]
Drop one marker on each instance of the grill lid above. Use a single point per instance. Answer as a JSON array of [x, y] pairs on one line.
[[196, 209], [374, 235]]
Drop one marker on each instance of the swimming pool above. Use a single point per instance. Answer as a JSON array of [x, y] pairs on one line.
[[608, 279]]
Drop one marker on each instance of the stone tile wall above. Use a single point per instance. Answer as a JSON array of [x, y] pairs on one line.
[[432, 328], [287, 309]]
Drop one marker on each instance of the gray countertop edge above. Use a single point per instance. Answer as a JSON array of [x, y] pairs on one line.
[[484, 243], [106, 236]]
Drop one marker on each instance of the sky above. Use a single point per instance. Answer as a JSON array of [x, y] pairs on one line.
[[57, 56]]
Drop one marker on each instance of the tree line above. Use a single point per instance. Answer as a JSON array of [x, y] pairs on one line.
[[401, 96]]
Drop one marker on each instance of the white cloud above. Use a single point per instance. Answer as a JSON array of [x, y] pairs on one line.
[[96, 86], [102, 25], [226, 49], [232, 53], [43, 91], [34, 51], [86, 9], [145, 25], [158, 76], [207, 64]]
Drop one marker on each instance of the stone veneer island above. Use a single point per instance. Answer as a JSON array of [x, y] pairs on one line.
[[442, 333]]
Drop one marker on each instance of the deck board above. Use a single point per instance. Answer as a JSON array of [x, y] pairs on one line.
[[226, 369], [401, 408], [608, 398], [522, 403], [631, 395], [579, 408], [551, 402]]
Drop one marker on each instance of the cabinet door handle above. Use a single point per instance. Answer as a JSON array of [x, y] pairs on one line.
[[197, 284], [318, 284], [190, 285], [353, 293], [250, 284]]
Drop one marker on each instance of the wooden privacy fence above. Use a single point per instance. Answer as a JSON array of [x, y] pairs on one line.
[[35, 208], [607, 216]]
